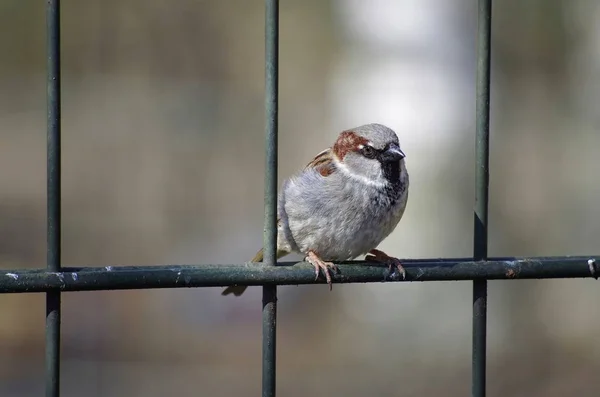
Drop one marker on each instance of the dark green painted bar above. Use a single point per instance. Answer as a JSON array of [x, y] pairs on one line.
[[269, 300], [481, 195], [53, 196], [289, 273]]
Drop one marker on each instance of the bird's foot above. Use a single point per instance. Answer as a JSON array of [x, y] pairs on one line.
[[393, 263], [319, 264]]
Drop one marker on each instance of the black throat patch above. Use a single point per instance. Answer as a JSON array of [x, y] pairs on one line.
[[395, 188], [391, 171]]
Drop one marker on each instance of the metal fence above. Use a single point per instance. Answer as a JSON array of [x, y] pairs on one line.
[[55, 279]]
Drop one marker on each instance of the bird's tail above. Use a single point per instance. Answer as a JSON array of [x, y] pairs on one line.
[[237, 290]]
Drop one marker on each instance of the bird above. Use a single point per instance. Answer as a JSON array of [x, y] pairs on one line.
[[344, 203]]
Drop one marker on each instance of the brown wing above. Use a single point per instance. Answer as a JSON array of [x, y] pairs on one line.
[[323, 163]]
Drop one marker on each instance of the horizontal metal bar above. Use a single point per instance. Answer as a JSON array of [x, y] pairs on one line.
[[290, 273]]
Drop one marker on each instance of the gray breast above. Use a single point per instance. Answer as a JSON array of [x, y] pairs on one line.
[[335, 217]]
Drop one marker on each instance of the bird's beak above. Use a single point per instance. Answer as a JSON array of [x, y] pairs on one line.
[[393, 153]]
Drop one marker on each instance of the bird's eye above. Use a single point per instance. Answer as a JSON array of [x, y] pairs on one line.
[[368, 152]]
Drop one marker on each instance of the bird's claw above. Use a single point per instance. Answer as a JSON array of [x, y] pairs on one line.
[[393, 263], [320, 265]]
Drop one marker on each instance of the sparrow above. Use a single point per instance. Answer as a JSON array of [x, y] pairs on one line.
[[345, 202]]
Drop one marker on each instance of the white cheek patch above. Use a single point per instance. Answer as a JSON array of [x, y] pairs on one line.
[[342, 167]]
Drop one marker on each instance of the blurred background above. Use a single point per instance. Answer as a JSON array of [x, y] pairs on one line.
[[163, 132]]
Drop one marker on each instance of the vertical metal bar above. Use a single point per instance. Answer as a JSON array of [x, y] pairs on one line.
[[481, 195], [53, 195], [269, 301]]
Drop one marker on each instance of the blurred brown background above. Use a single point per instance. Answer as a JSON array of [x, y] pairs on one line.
[[163, 125]]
